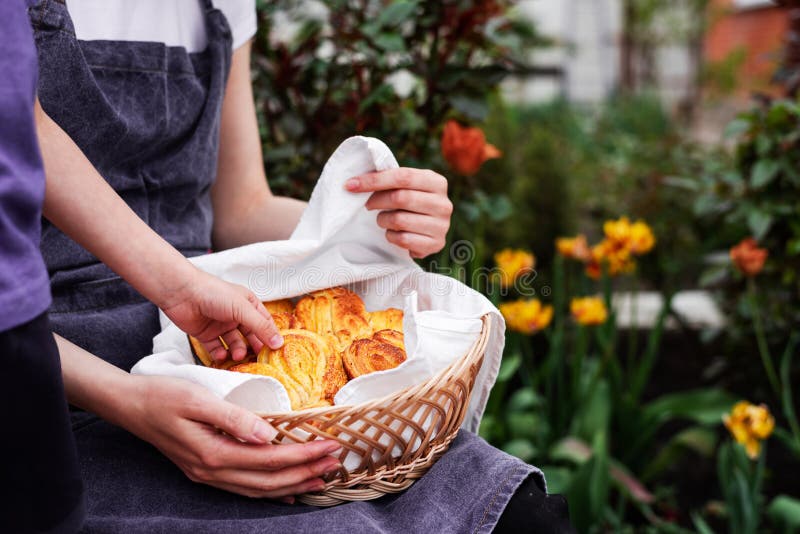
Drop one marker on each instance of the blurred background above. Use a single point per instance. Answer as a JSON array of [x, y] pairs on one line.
[[626, 176]]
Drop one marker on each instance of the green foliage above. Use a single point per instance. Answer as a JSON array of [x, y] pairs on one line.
[[757, 196], [327, 70], [784, 513], [578, 410]]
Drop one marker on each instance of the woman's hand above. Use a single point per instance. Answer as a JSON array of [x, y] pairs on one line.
[[415, 210], [207, 308], [183, 421]]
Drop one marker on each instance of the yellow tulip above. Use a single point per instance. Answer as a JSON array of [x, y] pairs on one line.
[[589, 310], [750, 425], [513, 263], [526, 316], [636, 238]]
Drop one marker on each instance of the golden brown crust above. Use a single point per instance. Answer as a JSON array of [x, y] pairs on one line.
[[286, 321], [200, 352], [305, 357], [329, 337], [392, 337], [336, 311], [279, 306], [369, 355], [297, 395], [335, 376], [388, 319]]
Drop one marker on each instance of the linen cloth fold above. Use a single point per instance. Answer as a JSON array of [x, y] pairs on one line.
[[338, 242]]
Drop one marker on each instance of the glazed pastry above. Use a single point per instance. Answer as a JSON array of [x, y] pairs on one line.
[[306, 358], [298, 397], [369, 355], [279, 306], [329, 337], [286, 321], [199, 351], [335, 376], [336, 311], [388, 319], [392, 337]]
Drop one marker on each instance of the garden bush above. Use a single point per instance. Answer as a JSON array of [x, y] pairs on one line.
[[575, 394]]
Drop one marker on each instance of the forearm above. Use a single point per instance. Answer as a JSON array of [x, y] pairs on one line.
[[267, 218], [94, 384], [82, 204]]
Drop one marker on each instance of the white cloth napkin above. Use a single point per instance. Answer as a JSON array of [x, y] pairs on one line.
[[338, 242]]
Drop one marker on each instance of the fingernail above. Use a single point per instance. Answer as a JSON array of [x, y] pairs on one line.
[[319, 486], [333, 467], [352, 184], [276, 341], [264, 432]]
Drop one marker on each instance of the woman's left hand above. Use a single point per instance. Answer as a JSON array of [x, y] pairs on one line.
[[413, 204]]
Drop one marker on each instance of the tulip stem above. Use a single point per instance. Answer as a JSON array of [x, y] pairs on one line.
[[763, 348]]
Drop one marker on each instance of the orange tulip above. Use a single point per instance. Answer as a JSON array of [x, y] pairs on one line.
[[748, 258], [574, 248], [465, 149]]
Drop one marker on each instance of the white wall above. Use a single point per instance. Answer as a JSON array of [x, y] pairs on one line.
[[587, 33]]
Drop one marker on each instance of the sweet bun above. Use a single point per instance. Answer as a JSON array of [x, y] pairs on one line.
[[336, 311], [329, 338], [365, 356], [199, 351], [279, 306], [392, 337], [286, 321], [310, 360], [388, 319], [298, 397]]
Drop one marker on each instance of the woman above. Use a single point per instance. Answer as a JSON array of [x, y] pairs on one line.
[[158, 98]]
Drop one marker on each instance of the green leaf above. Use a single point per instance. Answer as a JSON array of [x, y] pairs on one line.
[[701, 440], [595, 412], [500, 208], [714, 275], [524, 425], [475, 108], [759, 223], [764, 171], [391, 42], [700, 524], [705, 406], [736, 127], [588, 490], [396, 13], [508, 366], [521, 448], [558, 478], [784, 511], [523, 399], [383, 93]]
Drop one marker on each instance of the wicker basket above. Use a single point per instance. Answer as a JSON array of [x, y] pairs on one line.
[[390, 442]]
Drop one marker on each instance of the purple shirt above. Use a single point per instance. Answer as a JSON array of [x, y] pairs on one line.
[[24, 284]]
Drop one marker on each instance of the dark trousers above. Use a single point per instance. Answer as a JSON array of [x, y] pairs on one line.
[[531, 510], [42, 491]]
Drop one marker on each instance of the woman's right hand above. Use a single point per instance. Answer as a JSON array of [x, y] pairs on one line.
[[184, 420]]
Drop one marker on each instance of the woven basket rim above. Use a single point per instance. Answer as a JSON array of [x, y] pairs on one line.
[[391, 396]]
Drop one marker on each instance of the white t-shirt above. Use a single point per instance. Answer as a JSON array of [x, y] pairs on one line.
[[172, 22]]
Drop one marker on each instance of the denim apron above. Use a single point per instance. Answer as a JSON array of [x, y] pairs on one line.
[[147, 116]]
